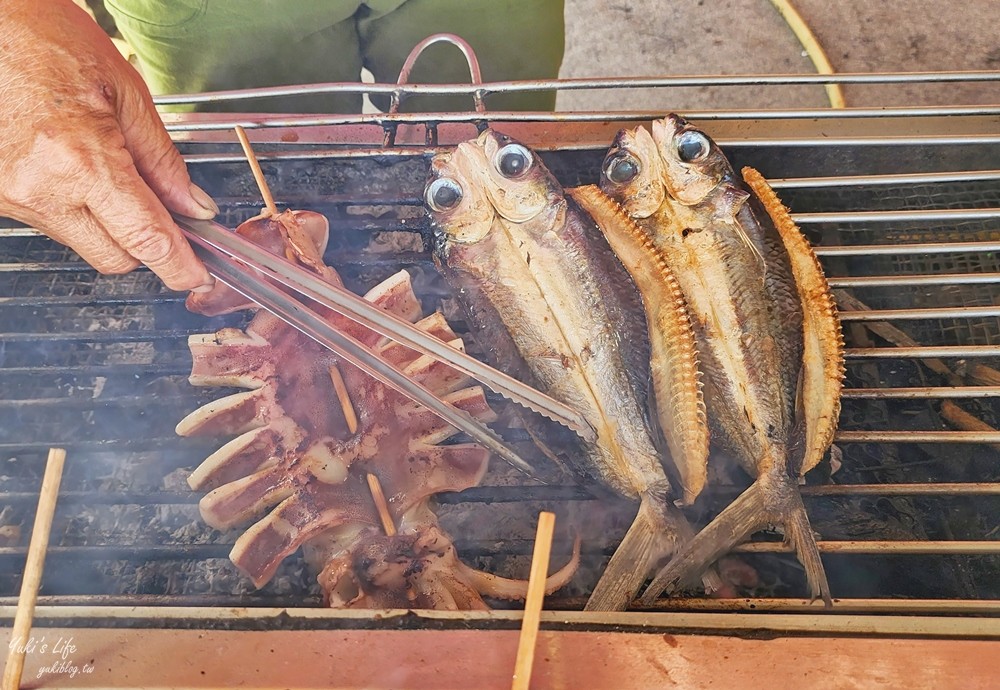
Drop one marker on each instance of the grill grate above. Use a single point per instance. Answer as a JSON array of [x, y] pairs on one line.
[[98, 364]]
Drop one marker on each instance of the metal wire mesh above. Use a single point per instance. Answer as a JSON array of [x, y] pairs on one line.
[[98, 364]]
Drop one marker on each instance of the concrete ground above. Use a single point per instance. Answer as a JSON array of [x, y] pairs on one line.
[[673, 37]]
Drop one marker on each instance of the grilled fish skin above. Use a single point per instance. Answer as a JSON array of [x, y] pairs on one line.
[[680, 405], [734, 269], [508, 237], [823, 352]]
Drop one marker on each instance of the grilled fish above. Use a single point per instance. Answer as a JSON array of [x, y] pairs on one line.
[[740, 271], [555, 307], [678, 399], [823, 341]]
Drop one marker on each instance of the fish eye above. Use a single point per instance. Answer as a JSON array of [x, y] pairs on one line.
[[692, 146], [513, 160], [443, 194], [622, 168]]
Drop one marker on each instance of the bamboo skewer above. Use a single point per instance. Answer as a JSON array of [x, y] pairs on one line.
[[381, 505], [350, 416], [258, 174], [957, 417], [533, 602], [33, 568]]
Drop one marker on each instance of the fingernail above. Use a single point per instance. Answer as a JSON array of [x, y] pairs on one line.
[[202, 289], [204, 200]]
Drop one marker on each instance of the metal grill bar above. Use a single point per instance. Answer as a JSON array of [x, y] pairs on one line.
[[835, 282], [406, 152], [513, 547], [883, 180], [167, 298], [151, 335], [968, 392], [519, 494], [908, 606], [898, 280], [852, 353], [388, 119], [894, 547], [115, 444], [400, 151], [102, 336], [917, 437], [911, 314], [821, 250], [944, 215], [200, 445], [103, 402], [89, 301], [854, 625], [557, 603], [924, 392], [914, 280], [579, 84], [937, 215], [925, 352], [134, 370], [907, 250], [38, 267]]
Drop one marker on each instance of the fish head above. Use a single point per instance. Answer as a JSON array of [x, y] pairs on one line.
[[518, 184], [455, 198], [489, 177], [631, 173], [692, 165]]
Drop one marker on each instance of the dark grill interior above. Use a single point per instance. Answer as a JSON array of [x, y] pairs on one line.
[[98, 365]]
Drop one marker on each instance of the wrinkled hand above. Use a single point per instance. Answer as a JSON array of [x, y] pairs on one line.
[[84, 156]]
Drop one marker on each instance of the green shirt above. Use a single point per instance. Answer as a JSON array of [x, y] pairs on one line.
[[188, 46]]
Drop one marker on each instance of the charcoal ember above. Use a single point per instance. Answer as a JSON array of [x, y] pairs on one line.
[[296, 471]]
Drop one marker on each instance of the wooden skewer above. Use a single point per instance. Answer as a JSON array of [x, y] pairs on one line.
[[957, 417], [983, 375], [533, 602], [258, 174], [33, 568], [345, 399], [381, 505]]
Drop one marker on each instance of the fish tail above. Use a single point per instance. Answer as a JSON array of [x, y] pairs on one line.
[[766, 502], [733, 525], [799, 534], [651, 536]]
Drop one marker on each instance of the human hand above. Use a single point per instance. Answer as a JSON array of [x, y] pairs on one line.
[[84, 156]]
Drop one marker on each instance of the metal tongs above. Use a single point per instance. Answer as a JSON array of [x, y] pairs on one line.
[[250, 270]]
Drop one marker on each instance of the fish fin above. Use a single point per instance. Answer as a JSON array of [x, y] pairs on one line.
[[626, 572], [733, 525], [797, 438], [799, 534], [823, 357], [760, 505], [732, 200], [753, 247]]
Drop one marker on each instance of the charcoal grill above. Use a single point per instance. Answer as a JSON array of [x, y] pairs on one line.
[[903, 205]]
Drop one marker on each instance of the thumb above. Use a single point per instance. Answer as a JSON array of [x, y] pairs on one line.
[[156, 158]]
